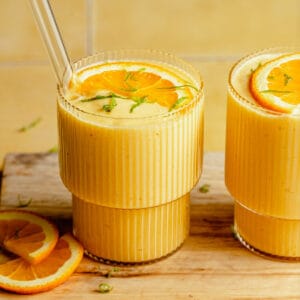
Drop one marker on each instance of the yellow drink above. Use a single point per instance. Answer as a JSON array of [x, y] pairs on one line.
[[262, 170], [130, 169], [132, 235]]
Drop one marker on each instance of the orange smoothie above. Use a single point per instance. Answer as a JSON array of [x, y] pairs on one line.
[[262, 169], [131, 131]]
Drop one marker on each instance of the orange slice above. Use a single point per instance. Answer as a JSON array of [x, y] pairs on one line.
[[19, 276], [276, 84], [151, 83], [27, 235]]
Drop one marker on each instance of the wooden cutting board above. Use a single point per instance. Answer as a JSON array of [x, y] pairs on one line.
[[210, 265]]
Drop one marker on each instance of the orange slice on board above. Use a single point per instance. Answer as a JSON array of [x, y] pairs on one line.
[[141, 84], [276, 84], [27, 235], [19, 276]]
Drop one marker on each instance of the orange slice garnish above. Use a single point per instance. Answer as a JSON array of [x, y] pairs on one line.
[[143, 83], [19, 276], [27, 235], [276, 84]]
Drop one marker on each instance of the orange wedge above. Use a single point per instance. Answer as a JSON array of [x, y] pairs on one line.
[[27, 235], [144, 83], [19, 276], [276, 84]]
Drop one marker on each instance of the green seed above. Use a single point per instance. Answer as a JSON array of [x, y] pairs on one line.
[[104, 288], [204, 188]]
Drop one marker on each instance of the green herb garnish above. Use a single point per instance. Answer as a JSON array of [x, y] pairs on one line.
[[101, 97], [109, 107], [204, 188], [275, 91], [177, 103], [23, 203], [271, 77], [141, 69], [176, 87], [30, 125], [253, 70], [54, 149], [129, 88], [111, 272], [138, 102], [130, 74], [106, 107], [104, 288], [287, 78]]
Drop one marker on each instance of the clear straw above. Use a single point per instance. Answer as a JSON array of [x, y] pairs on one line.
[[51, 35]]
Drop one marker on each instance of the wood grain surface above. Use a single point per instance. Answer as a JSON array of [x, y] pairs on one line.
[[211, 264]]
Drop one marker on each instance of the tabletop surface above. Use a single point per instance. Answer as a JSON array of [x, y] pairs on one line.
[[211, 264]]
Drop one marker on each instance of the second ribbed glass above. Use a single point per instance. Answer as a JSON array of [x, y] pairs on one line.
[[131, 178], [262, 169]]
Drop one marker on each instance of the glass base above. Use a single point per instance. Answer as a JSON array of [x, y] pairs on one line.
[[131, 236], [120, 263], [268, 236], [262, 253]]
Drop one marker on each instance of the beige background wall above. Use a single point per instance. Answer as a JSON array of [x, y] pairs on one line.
[[210, 34]]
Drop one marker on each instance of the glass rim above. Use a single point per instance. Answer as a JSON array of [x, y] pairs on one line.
[[241, 61], [169, 114]]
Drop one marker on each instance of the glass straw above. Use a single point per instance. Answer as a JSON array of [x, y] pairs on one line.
[[51, 35]]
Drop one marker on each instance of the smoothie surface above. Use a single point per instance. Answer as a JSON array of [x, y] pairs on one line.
[[131, 88]]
